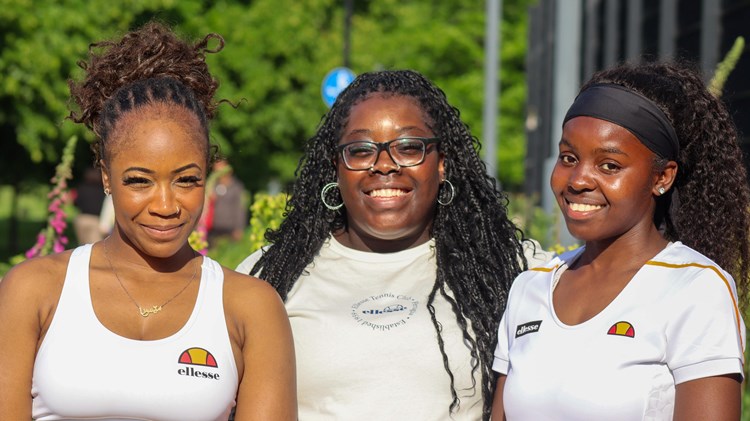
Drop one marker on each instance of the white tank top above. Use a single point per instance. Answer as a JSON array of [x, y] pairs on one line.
[[85, 371]]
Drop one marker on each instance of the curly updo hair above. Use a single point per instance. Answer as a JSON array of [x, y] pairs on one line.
[[478, 249], [707, 208], [146, 66]]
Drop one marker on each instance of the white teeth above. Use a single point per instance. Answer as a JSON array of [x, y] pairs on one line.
[[387, 193], [581, 207]]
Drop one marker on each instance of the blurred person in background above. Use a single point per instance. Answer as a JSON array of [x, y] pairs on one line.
[[227, 208], [89, 197]]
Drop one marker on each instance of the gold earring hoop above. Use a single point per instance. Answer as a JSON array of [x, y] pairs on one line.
[[106, 191]]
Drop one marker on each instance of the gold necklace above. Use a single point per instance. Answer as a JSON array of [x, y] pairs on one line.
[[145, 312]]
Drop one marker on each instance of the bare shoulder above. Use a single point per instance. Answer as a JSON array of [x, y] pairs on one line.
[[248, 293], [37, 278], [29, 292]]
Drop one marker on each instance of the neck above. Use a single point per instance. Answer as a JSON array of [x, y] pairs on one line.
[[630, 249], [121, 249], [379, 245]]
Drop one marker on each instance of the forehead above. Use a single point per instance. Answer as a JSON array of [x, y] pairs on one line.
[[155, 135], [386, 111]]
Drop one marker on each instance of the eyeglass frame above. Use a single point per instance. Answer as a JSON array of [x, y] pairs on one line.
[[385, 146]]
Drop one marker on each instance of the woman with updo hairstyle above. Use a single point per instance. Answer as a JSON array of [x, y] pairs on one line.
[[140, 325], [394, 259], [645, 320]]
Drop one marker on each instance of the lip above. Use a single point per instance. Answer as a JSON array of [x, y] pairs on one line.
[[585, 208], [163, 232]]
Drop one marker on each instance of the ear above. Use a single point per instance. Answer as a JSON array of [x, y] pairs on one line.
[[441, 166], [105, 175], [664, 179]]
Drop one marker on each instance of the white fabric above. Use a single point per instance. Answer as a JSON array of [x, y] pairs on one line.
[[682, 309], [366, 346], [84, 371]]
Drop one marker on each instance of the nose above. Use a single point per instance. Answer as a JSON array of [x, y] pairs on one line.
[[384, 164], [581, 178], [164, 202]]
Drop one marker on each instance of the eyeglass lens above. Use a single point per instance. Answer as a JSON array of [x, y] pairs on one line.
[[404, 152]]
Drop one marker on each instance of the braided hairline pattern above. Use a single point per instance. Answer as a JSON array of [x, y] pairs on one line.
[[709, 209], [145, 66], [477, 247]]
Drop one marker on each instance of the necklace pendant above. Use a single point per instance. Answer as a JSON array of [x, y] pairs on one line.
[[145, 312]]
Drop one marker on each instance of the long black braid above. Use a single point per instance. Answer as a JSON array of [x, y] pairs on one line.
[[478, 248]]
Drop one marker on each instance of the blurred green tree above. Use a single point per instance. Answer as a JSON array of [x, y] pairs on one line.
[[277, 53]]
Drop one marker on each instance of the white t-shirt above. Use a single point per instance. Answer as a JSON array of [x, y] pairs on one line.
[[676, 320], [365, 344]]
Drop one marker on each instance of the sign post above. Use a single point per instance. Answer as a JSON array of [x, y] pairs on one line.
[[334, 82]]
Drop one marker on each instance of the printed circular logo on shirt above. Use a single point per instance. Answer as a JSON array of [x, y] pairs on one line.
[[385, 311], [198, 357]]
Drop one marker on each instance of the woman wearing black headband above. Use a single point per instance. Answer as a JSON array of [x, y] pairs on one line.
[[643, 321]]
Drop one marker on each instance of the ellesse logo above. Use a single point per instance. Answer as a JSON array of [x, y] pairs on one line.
[[201, 358], [527, 328]]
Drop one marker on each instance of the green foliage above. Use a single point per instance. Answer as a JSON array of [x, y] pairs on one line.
[[230, 253], [277, 53], [723, 69], [536, 223], [267, 213]]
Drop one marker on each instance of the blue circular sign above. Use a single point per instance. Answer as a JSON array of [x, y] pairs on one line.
[[334, 82]]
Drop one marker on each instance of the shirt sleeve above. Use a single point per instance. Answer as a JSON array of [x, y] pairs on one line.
[[534, 253], [501, 362], [705, 332], [247, 265]]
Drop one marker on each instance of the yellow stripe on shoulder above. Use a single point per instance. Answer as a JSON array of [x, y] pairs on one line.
[[716, 270], [543, 269]]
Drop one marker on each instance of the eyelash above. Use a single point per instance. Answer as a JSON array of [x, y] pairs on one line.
[[568, 159], [191, 179], [134, 180]]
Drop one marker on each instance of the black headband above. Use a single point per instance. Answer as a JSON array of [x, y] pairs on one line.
[[634, 112]]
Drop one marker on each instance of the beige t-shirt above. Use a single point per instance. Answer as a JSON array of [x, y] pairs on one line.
[[365, 344]]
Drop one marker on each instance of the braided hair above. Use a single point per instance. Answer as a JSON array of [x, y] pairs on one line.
[[708, 209], [148, 66], [478, 248]]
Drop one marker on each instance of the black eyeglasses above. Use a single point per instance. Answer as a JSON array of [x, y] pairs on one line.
[[362, 155]]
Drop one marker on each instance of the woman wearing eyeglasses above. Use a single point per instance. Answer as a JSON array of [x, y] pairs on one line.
[[394, 260]]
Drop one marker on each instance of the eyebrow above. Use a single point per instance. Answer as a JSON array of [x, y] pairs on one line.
[[150, 171]]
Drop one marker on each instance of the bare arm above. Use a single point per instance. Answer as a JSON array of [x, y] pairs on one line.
[[498, 409], [712, 398], [268, 389], [22, 295]]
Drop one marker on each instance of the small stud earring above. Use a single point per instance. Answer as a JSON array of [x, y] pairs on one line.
[[106, 191], [661, 190]]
